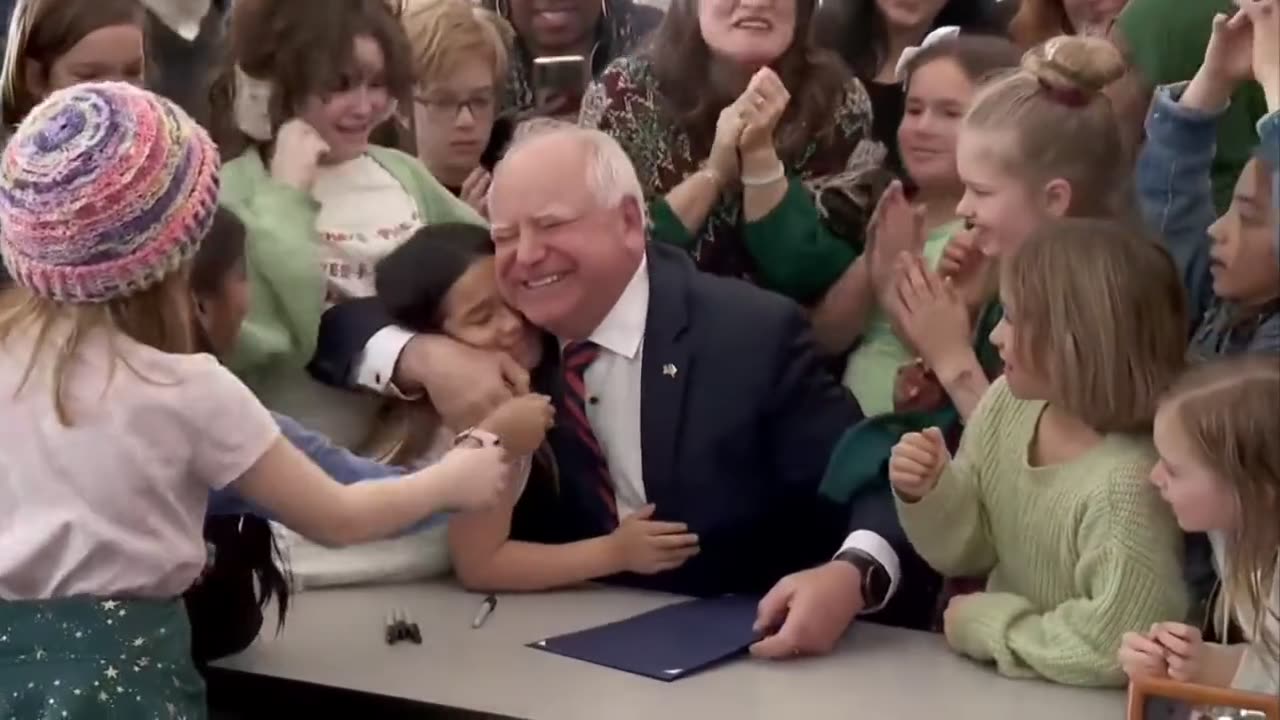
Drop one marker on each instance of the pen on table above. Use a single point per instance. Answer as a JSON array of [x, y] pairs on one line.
[[486, 609]]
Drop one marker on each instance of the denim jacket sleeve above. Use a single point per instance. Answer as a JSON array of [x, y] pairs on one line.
[[341, 464], [1175, 189], [1269, 150]]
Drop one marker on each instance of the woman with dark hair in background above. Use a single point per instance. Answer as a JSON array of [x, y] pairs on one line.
[[752, 145], [871, 34]]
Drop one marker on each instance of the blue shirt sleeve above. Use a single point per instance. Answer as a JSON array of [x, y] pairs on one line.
[[341, 464]]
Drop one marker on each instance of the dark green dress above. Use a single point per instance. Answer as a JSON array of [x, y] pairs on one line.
[[97, 659]]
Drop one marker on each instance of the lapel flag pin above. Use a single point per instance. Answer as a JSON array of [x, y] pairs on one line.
[[669, 370]]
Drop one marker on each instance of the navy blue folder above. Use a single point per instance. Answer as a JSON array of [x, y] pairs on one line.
[[668, 643]]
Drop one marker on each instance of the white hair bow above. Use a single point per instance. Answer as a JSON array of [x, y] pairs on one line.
[[939, 35]]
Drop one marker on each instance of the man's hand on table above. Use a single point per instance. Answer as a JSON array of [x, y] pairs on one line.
[[808, 612]]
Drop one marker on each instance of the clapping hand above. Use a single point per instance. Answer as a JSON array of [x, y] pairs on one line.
[[761, 107], [928, 314], [896, 230]]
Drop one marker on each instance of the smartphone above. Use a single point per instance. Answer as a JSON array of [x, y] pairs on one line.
[[559, 82]]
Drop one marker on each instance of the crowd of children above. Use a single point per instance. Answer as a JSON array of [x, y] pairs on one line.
[[1069, 360]]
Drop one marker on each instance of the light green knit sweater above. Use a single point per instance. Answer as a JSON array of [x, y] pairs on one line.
[[1075, 554]]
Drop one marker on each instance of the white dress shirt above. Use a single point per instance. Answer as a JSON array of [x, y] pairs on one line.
[[612, 385]]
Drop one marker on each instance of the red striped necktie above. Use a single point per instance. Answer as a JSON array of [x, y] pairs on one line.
[[578, 356]]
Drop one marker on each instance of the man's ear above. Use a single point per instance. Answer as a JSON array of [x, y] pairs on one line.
[[1057, 197], [634, 221]]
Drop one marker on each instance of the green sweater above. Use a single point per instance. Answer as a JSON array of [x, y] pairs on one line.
[[286, 281], [1075, 554]]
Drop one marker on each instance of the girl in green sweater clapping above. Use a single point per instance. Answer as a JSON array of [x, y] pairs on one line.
[[1048, 495]]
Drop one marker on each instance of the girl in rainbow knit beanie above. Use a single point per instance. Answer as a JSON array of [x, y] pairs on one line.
[[113, 431]]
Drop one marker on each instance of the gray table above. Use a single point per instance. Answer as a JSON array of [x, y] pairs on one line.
[[335, 638]]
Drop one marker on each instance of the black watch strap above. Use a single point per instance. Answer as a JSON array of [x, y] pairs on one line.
[[875, 579]]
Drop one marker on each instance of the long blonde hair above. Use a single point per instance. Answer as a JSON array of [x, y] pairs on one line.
[[159, 316], [1230, 411]]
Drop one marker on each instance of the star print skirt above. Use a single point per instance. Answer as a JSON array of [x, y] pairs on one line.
[[95, 659]]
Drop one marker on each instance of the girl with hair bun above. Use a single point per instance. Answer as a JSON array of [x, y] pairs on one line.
[[1038, 143]]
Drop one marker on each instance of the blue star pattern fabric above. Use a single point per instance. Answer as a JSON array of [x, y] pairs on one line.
[[82, 658]]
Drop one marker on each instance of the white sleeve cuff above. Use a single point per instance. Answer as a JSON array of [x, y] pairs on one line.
[[880, 549], [376, 365]]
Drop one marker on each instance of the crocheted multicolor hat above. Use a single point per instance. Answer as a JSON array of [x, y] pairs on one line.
[[105, 189]]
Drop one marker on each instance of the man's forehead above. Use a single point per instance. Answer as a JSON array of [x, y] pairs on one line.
[[541, 174]]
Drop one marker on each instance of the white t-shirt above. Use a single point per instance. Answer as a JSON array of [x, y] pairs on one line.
[[364, 214], [114, 504]]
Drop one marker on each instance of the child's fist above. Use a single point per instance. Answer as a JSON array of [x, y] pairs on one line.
[[917, 461], [521, 423]]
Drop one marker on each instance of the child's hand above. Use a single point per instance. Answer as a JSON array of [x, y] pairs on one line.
[[1140, 656], [475, 191], [965, 264], [299, 149], [915, 389], [917, 461], [1227, 63], [896, 229], [474, 478], [1183, 649], [1264, 16], [647, 546], [521, 423]]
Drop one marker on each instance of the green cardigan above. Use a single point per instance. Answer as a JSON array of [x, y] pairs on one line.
[[283, 256]]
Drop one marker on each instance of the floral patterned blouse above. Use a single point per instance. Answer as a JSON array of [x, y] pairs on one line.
[[805, 243]]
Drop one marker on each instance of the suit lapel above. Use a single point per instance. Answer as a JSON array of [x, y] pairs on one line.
[[665, 369]]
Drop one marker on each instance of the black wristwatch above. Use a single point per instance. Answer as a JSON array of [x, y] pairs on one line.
[[875, 579]]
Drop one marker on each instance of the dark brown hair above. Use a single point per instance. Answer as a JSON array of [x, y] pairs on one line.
[[1099, 308], [682, 62], [47, 29], [221, 250], [304, 49], [978, 56]]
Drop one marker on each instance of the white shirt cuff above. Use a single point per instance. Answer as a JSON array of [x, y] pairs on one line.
[[880, 549], [377, 363]]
